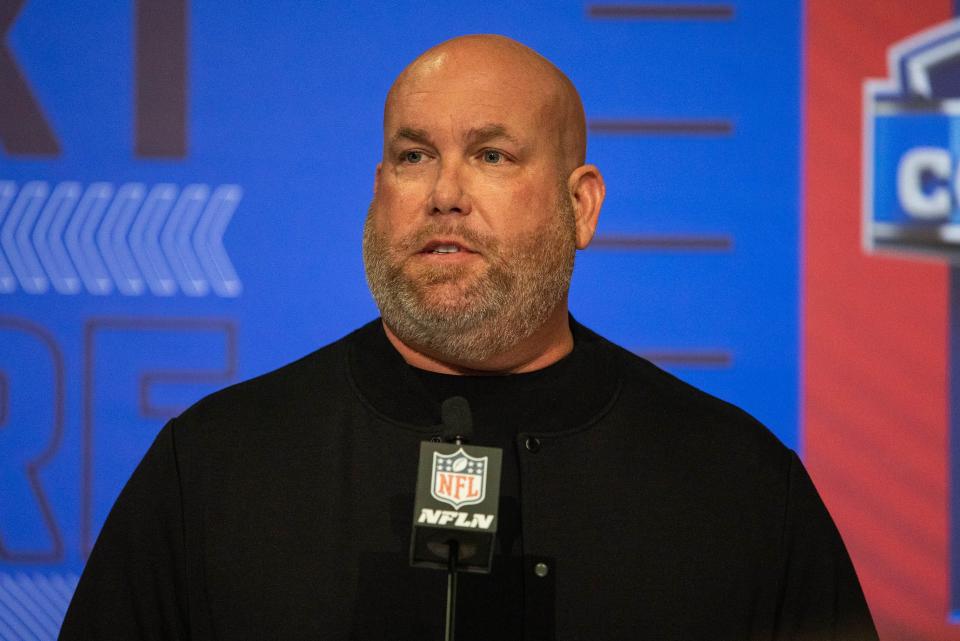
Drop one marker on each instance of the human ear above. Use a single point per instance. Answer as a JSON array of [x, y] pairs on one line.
[[587, 190], [376, 178]]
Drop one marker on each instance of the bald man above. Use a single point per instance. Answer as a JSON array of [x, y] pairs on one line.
[[633, 506], [481, 197]]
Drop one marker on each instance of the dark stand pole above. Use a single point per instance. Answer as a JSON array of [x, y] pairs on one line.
[[453, 555], [448, 634]]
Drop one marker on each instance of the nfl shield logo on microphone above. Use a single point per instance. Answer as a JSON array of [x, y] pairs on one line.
[[458, 479]]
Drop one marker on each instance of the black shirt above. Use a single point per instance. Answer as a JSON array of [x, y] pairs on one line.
[[281, 508]]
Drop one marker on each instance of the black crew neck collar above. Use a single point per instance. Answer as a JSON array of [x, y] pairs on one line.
[[566, 395]]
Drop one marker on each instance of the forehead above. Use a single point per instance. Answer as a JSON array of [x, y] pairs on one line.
[[443, 95]]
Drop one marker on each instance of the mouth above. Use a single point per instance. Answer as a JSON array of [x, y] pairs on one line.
[[446, 247]]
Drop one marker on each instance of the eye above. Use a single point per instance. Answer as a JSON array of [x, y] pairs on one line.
[[413, 157], [492, 156]]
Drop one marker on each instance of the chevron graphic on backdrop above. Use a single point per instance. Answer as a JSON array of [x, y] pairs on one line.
[[32, 606], [131, 239]]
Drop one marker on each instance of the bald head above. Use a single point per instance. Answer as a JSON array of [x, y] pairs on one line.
[[498, 64], [480, 200]]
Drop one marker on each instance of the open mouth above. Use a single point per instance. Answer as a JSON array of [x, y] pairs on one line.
[[443, 247]]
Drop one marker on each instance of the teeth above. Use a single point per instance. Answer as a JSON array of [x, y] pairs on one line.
[[446, 249]]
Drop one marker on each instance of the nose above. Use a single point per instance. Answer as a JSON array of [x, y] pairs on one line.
[[449, 193]]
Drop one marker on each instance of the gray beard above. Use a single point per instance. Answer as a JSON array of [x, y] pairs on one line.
[[462, 317]]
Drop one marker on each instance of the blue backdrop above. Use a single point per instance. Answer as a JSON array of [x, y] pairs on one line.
[[138, 273]]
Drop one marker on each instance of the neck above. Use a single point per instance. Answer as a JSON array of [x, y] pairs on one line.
[[544, 347]]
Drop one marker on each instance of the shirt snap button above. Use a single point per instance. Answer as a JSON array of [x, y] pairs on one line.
[[541, 569], [532, 444]]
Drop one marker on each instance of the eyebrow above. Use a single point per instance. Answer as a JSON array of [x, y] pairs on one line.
[[415, 135], [486, 133], [475, 136]]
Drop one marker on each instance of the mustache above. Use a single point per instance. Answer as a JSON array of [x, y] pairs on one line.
[[479, 242]]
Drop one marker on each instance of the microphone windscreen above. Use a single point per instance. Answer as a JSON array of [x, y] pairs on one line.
[[457, 420]]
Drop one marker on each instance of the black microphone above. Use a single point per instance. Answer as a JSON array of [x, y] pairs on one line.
[[457, 420], [458, 496]]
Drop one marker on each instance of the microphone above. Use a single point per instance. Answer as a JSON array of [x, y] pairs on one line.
[[457, 420], [458, 497]]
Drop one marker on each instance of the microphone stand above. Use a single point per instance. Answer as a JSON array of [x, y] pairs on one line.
[[448, 630], [453, 553]]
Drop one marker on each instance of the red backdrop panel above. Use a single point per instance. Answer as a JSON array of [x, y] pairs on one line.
[[874, 342]]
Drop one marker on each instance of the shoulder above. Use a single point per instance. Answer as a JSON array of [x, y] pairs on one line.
[[298, 388], [679, 416]]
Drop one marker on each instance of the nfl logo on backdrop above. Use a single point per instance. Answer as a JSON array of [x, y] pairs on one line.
[[458, 479], [912, 147]]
